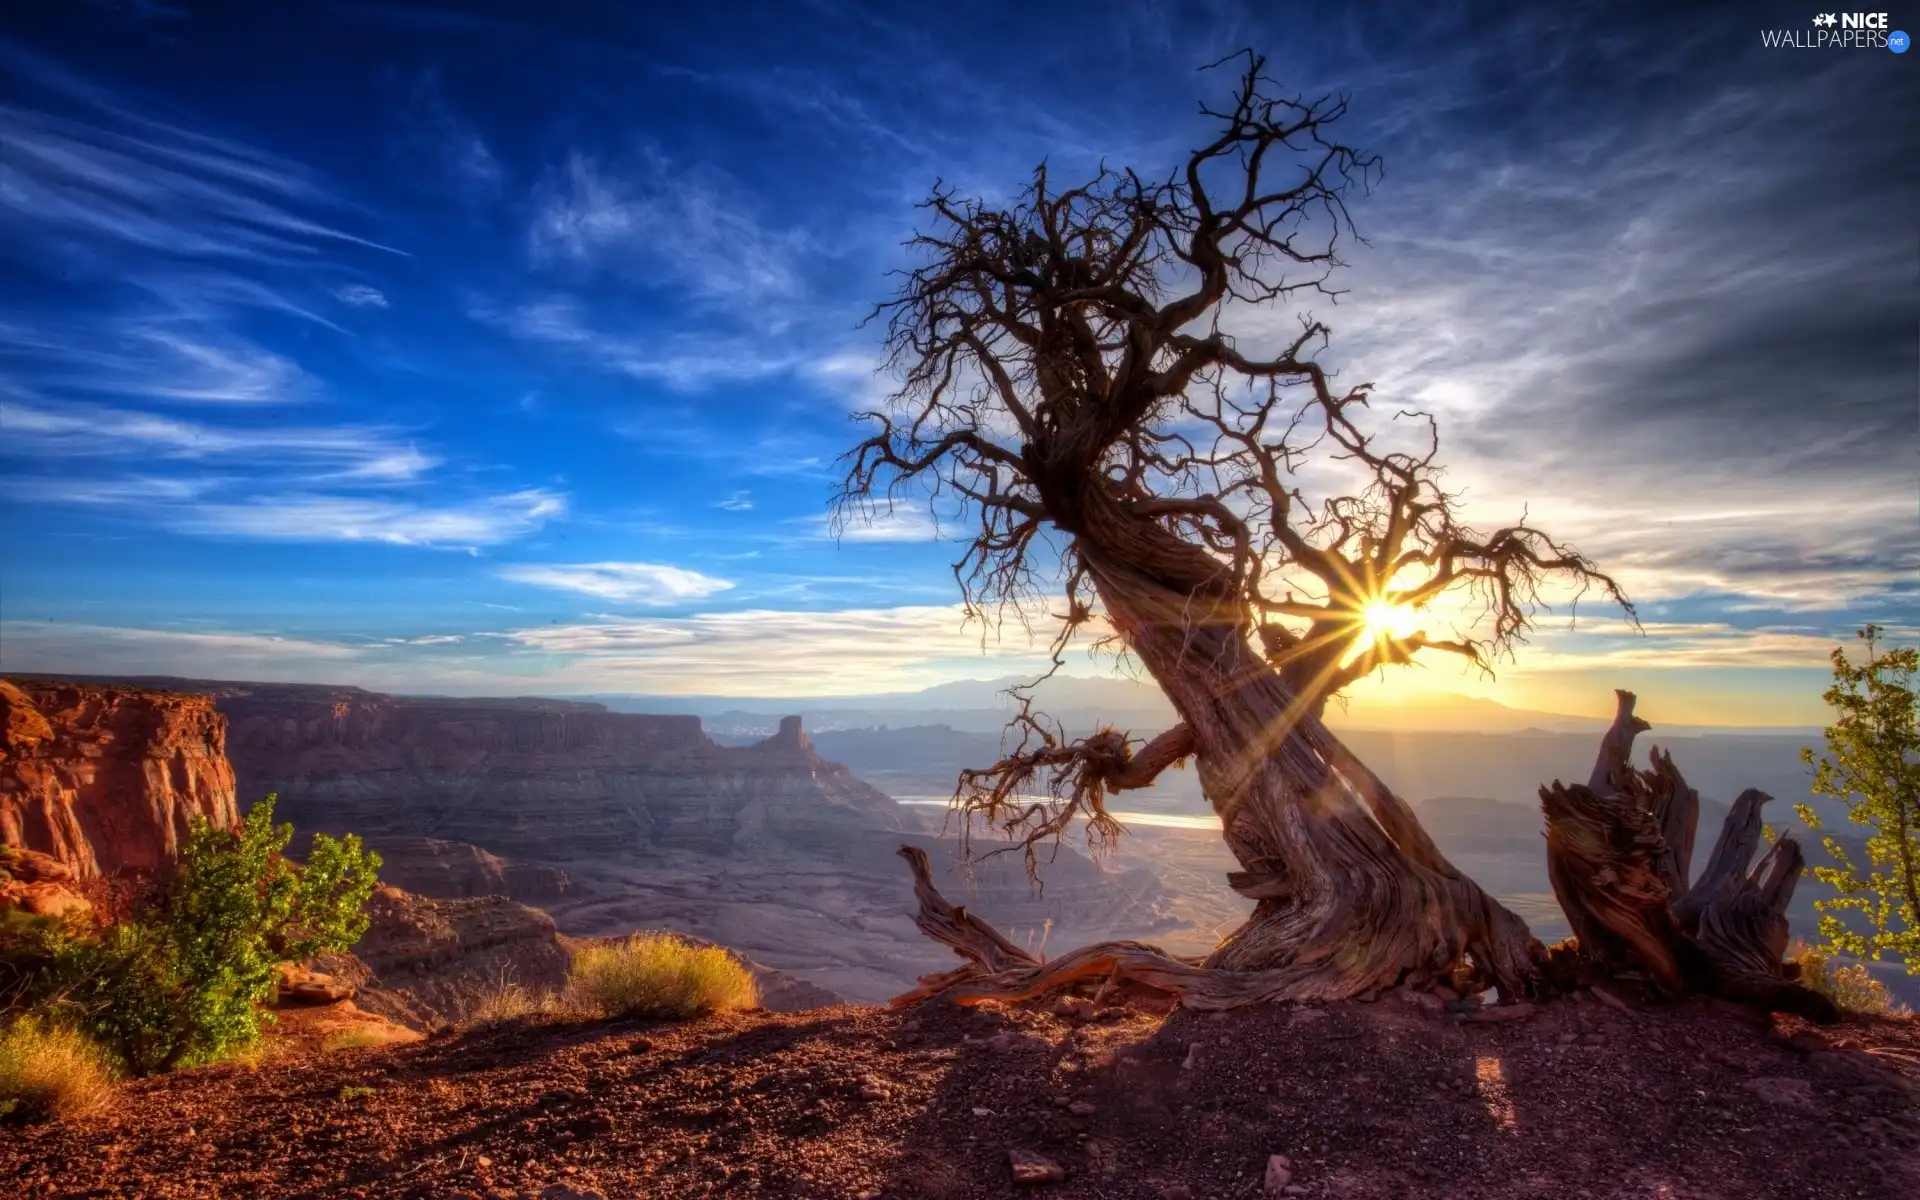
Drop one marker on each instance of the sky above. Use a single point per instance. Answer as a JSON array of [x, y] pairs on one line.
[[510, 347]]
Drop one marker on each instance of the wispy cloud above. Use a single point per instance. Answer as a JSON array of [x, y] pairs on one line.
[[85, 649], [92, 431], [681, 359], [689, 226], [360, 295], [192, 361], [768, 652], [438, 149], [735, 502], [899, 524], [484, 521], [145, 185], [625, 582]]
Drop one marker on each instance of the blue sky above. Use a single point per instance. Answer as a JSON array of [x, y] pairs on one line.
[[510, 347]]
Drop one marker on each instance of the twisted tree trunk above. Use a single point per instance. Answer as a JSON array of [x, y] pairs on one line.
[[1351, 894]]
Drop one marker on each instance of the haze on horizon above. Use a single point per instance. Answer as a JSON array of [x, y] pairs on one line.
[[485, 349]]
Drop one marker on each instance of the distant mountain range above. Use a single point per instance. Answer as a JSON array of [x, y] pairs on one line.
[[982, 705]]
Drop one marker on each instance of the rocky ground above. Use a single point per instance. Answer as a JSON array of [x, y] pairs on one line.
[[1381, 1100]]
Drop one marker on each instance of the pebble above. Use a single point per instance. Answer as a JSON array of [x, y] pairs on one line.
[[1279, 1174], [1177, 1191], [1030, 1168], [1080, 1108]]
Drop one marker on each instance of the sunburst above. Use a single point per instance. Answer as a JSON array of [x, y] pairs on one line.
[[1385, 620]]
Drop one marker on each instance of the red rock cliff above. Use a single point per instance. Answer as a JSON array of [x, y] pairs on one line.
[[107, 778]]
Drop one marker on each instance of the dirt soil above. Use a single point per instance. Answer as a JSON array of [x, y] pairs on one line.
[[1387, 1099]]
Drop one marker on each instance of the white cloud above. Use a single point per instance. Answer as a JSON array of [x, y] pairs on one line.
[[93, 649], [773, 653], [679, 360], [139, 184], [735, 502], [626, 582], [360, 295], [93, 431], [486, 521], [901, 524], [184, 358], [688, 226]]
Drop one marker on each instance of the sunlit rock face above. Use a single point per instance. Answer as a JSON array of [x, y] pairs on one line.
[[108, 779], [547, 781]]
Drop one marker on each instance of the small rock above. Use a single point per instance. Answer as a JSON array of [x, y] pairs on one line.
[[1193, 1057], [1080, 1108], [1293, 1189], [1784, 1092], [982, 1112], [1030, 1168], [1425, 1001], [1518, 1011], [874, 1091], [484, 1161], [1176, 1191], [1610, 1000], [1279, 1174], [869, 1194], [1808, 1041]]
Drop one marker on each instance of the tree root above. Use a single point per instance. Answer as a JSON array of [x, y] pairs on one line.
[[997, 970]]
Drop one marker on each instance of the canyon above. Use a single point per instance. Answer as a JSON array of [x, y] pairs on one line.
[[610, 822]]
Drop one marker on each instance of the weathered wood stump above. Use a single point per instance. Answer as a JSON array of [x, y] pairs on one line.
[[1619, 855]]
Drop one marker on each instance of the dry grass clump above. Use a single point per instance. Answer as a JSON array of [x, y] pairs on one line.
[[1852, 988], [507, 1001], [658, 975], [47, 1070], [364, 1038]]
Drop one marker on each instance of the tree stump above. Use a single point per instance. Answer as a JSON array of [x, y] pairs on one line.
[[1619, 853]]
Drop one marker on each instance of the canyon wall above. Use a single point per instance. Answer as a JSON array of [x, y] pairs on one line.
[[108, 779], [546, 781]]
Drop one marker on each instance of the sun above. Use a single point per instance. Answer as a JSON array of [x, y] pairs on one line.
[[1385, 620]]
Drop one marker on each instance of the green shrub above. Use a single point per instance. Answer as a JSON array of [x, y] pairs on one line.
[[658, 975], [183, 983], [47, 1070], [1852, 988]]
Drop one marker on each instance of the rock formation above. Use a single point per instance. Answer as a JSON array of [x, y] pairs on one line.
[[424, 962], [448, 870], [109, 779]]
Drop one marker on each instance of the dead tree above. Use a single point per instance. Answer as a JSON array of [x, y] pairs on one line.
[[1070, 381], [1619, 856]]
